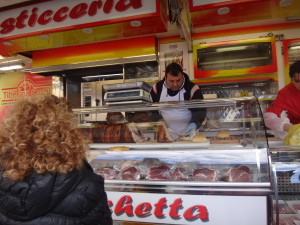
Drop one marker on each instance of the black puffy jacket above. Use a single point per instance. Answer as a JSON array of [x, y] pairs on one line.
[[74, 198]]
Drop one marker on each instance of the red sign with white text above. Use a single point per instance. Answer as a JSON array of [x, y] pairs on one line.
[[188, 209], [58, 15]]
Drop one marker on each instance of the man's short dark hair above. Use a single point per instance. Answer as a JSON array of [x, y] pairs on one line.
[[294, 68], [174, 69]]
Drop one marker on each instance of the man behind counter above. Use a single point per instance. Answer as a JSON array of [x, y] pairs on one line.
[[288, 100], [176, 86]]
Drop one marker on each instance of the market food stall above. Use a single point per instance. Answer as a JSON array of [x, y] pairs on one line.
[[221, 178]]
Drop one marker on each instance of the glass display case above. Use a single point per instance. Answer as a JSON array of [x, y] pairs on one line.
[[286, 166], [218, 173]]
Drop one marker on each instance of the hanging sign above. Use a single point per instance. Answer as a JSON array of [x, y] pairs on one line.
[[51, 16]]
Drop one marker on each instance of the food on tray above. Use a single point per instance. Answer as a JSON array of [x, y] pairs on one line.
[[115, 118], [204, 174], [161, 172], [223, 134], [116, 133], [130, 170], [288, 220], [178, 174], [284, 209], [130, 173], [163, 134], [119, 148], [296, 206], [239, 174], [200, 138], [228, 140], [108, 173]]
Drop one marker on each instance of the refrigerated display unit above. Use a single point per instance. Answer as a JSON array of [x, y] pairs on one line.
[[218, 174]]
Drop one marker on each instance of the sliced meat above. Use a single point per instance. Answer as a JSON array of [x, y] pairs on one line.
[[163, 135], [239, 174], [107, 173], [158, 173], [130, 173], [204, 174], [178, 174]]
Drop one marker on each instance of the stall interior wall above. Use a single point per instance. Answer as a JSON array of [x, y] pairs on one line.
[[177, 51], [279, 35], [15, 85]]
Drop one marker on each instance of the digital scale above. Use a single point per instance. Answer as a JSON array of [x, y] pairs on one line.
[[127, 93]]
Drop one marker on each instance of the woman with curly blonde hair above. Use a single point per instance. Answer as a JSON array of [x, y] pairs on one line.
[[44, 178]]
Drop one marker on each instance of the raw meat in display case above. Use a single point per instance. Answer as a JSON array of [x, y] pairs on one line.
[[238, 174], [158, 173], [204, 174]]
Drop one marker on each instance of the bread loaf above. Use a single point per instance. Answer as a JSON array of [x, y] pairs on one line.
[[200, 138], [223, 134]]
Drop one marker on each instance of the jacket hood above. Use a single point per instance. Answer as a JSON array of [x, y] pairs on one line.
[[35, 195]]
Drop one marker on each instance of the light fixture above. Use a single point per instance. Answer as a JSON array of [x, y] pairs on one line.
[[295, 47], [103, 75], [11, 63], [234, 48], [135, 23], [292, 18], [284, 3], [223, 11], [12, 67], [45, 37], [87, 30], [7, 43]]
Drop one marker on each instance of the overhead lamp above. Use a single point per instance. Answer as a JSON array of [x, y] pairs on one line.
[[223, 11], [45, 37], [135, 23], [7, 43], [11, 63], [284, 3], [292, 18], [295, 47], [103, 75], [233, 48], [12, 67], [87, 30]]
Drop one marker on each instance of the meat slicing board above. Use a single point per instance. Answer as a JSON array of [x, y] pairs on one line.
[[228, 140]]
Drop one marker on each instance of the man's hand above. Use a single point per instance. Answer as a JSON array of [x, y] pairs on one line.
[[190, 127], [287, 126]]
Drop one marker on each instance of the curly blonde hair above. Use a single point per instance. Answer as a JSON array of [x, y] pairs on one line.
[[38, 135]]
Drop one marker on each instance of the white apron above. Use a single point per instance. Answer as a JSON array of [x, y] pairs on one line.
[[175, 119]]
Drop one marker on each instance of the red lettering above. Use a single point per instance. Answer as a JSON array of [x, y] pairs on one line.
[[174, 207], [201, 212], [93, 9], [121, 6], [33, 17], [78, 11], [143, 209], [61, 14], [20, 19], [120, 206], [108, 5], [45, 17], [7, 26], [158, 211]]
